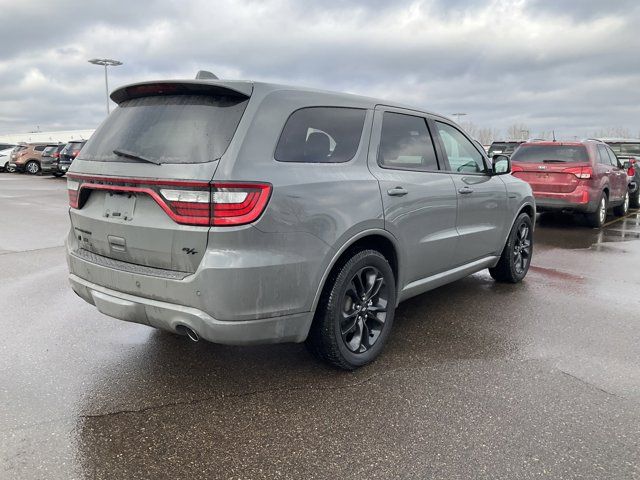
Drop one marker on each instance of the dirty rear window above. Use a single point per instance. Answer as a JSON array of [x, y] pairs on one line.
[[553, 153], [168, 129]]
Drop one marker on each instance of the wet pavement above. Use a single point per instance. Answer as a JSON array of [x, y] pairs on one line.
[[480, 380]]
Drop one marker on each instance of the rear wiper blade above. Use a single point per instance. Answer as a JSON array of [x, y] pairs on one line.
[[553, 161], [134, 156]]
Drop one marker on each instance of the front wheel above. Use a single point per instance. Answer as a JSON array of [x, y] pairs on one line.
[[516, 256], [355, 314], [622, 210], [32, 167], [10, 168]]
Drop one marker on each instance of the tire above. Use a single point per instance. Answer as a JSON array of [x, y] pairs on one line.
[[58, 174], [596, 219], [338, 334], [634, 200], [622, 210], [32, 167], [515, 259], [10, 169]]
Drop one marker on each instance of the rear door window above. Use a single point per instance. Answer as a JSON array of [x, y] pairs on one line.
[[406, 143], [321, 135], [168, 129], [463, 156]]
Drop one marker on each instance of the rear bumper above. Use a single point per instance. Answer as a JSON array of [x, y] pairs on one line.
[[169, 316], [574, 201]]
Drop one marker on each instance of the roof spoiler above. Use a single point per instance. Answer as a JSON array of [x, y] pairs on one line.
[[182, 87]]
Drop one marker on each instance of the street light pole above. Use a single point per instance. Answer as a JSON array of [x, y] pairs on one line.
[[458, 115], [106, 62]]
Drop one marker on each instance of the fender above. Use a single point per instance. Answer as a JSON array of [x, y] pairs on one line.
[[345, 246], [520, 209]]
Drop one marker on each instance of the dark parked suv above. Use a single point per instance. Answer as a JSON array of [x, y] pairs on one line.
[[245, 213], [67, 155], [582, 177]]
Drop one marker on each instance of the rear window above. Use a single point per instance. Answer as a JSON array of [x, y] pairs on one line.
[[168, 129], [72, 147], [49, 150], [321, 135], [502, 147], [550, 153]]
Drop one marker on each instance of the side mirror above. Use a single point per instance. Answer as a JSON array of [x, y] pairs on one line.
[[501, 164]]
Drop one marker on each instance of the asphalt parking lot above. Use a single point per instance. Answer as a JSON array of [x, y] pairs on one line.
[[480, 380]]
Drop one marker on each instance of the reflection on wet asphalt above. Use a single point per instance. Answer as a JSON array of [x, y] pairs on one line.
[[480, 380]]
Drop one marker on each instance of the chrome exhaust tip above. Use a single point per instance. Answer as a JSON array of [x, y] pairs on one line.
[[191, 334]]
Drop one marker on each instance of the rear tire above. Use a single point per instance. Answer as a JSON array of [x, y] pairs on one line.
[[596, 219], [9, 168], [32, 167], [622, 210], [355, 313], [58, 174], [516, 255], [634, 200]]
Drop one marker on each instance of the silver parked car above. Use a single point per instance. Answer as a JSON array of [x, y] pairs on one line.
[[246, 213]]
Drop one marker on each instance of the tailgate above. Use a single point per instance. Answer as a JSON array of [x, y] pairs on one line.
[[559, 177], [140, 189]]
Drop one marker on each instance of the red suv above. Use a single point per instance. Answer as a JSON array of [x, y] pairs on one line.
[[583, 177]]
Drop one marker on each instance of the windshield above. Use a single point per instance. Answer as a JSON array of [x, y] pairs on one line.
[[625, 148], [550, 153], [168, 129]]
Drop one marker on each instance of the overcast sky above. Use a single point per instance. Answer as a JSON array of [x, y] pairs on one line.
[[572, 66]]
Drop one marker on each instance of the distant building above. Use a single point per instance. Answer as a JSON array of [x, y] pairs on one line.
[[63, 136]]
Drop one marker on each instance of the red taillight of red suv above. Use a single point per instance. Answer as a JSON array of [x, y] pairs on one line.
[[55, 154], [186, 202], [583, 173]]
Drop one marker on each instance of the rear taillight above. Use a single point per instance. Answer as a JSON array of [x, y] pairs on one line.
[[72, 189], [56, 155], [186, 202], [238, 204], [631, 172], [583, 173]]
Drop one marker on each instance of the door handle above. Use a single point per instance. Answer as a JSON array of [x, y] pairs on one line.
[[465, 190], [397, 192]]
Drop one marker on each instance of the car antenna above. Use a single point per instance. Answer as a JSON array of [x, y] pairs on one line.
[[553, 132], [205, 75]]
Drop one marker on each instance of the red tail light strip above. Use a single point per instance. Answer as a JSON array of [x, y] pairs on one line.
[[184, 212]]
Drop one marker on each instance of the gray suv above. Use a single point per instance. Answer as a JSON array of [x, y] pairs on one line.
[[246, 212]]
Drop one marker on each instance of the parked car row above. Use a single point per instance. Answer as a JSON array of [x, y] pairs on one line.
[[35, 158]]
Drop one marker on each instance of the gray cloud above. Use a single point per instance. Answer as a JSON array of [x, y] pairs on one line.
[[568, 66]]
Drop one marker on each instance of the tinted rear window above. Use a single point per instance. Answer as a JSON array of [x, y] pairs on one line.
[[72, 147], [550, 153], [49, 150], [168, 129], [321, 135]]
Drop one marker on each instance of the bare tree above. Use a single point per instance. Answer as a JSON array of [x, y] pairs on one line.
[[612, 132], [518, 131]]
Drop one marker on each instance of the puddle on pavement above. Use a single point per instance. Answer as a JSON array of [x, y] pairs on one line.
[[571, 232]]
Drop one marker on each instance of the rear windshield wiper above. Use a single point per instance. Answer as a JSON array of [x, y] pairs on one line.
[[133, 156]]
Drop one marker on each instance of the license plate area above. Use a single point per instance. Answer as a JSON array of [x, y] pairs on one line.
[[119, 206]]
